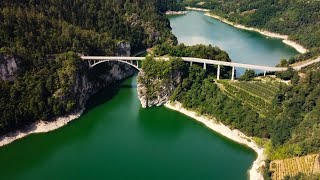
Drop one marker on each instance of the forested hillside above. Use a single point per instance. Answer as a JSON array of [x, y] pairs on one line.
[[300, 19], [37, 70]]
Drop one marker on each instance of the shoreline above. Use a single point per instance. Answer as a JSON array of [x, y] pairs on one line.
[[39, 127], [176, 12], [197, 9], [235, 135], [285, 38]]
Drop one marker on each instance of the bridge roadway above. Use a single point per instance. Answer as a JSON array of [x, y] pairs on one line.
[[94, 60]]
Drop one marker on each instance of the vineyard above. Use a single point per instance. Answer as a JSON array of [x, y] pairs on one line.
[[256, 94], [290, 167]]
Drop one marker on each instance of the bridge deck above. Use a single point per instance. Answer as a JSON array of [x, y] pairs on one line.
[[196, 60]]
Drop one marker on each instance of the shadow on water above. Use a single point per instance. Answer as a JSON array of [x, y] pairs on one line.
[[106, 94], [128, 86]]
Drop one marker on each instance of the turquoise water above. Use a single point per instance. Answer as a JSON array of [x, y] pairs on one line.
[[242, 46]]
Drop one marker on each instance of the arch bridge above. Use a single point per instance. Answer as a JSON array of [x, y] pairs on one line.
[[134, 62]]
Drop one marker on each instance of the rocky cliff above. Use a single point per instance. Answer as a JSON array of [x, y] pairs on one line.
[[84, 86], [101, 76], [8, 67], [156, 91], [158, 80]]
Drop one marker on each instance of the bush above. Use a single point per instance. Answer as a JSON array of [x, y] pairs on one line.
[[248, 75], [286, 75]]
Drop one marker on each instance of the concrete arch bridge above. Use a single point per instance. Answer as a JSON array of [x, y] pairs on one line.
[[134, 62]]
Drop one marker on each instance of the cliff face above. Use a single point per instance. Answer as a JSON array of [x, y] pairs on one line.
[[110, 72], [123, 49], [8, 67], [155, 91], [84, 87]]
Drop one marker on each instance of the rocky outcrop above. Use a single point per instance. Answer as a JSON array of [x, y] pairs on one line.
[[84, 87], [156, 92], [123, 49], [8, 67]]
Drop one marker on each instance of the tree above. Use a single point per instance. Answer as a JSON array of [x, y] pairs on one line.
[[286, 75], [248, 75], [295, 79]]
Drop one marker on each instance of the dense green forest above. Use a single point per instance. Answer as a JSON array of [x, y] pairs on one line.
[[297, 18], [40, 34], [167, 5]]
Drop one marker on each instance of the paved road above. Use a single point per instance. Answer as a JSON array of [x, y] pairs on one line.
[[306, 64]]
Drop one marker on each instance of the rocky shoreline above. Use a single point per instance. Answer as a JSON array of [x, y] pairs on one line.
[[176, 12], [39, 127], [197, 9], [235, 135]]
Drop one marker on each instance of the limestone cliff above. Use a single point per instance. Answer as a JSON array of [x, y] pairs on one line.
[[156, 91], [123, 49], [8, 67], [104, 74], [84, 87]]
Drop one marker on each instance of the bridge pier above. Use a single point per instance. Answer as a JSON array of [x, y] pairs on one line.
[[204, 66], [232, 75], [218, 72], [190, 63]]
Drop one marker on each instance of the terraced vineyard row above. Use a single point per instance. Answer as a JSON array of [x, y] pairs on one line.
[[259, 89], [248, 96], [272, 86], [290, 167]]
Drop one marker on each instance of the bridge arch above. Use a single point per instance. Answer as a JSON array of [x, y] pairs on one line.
[[129, 62]]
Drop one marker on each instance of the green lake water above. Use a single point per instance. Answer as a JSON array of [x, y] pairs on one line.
[[242, 46], [117, 139]]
